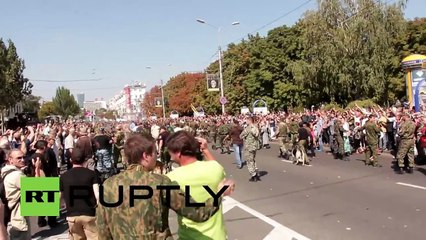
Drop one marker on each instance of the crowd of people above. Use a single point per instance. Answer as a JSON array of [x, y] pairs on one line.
[[114, 155]]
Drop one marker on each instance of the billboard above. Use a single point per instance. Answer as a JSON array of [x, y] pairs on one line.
[[213, 82]]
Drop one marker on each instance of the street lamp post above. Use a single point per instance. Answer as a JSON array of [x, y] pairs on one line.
[[162, 100], [162, 94], [222, 94]]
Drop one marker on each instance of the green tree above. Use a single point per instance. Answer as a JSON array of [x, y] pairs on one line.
[[13, 84], [31, 103], [46, 109], [182, 90], [349, 49], [65, 103]]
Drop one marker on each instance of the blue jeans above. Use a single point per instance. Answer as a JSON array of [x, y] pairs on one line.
[[238, 148]]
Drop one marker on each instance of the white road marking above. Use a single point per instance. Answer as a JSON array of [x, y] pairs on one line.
[[411, 185], [280, 232]]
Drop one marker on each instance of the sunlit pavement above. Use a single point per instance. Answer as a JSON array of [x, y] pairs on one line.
[[331, 199]]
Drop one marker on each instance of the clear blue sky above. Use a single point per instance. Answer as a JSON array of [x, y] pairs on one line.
[[116, 40]]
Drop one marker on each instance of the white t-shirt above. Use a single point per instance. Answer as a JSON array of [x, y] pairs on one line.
[[69, 142]]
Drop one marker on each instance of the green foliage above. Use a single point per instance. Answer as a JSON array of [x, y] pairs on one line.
[[48, 108], [368, 103], [65, 103], [31, 103], [13, 84], [331, 106], [344, 51]]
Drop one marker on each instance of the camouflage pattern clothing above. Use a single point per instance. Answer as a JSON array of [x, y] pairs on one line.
[[223, 142], [212, 132], [371, 141], [294, 127], [407, 143], [282, 136], [118, 147], [148, 218], [338, 131], [250, 136], [202, 130]]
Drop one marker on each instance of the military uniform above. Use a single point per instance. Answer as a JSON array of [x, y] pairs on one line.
[[148, 218], [294, 134], [188, 128], [407, 142], [250, 136], [202, 130], [371, 142], [223, 132], [118, 148], [212, 133], [283, 138], [338, 131]]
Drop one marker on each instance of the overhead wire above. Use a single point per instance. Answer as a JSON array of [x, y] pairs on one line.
[[277, 19], [75, 80]]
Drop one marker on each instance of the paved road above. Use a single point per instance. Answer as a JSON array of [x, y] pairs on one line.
[[331, 199]]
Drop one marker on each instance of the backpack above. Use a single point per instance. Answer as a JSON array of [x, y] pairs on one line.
[[7, 210]]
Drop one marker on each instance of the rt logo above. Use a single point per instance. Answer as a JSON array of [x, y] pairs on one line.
[[40, 196]]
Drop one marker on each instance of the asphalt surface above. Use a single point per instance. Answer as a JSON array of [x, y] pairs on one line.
[[330, 199]]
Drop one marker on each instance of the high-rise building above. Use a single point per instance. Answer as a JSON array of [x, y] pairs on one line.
[[128, 101], [80, 100]]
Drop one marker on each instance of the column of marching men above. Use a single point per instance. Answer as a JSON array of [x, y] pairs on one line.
[[101, 153]]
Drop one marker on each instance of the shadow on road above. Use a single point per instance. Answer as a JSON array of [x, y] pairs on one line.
[[263, 173], [422, 170], [59, 229]]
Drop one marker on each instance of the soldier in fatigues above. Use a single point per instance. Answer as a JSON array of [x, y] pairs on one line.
[[148, 218], [406, 145], [282, 135], [223, 133], [213, 133], [338, 131], [250, 136], [119, 143], [294, 127], [372, 132]]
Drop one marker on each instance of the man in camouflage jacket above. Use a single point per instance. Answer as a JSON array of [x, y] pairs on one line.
[[148, 218], [407, 133], [250, 136]]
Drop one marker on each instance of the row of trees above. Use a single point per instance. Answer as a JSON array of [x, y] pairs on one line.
[[63, 104], [343, 51]]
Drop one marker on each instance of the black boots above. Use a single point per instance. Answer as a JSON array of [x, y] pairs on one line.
[[255, 178]]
